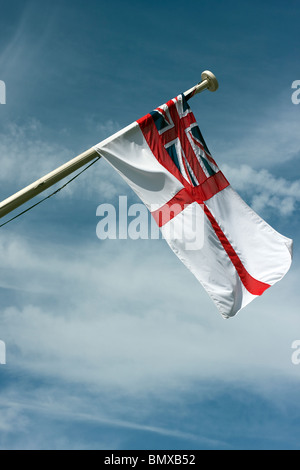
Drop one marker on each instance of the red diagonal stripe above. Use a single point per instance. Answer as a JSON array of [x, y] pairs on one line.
[[203, 149]]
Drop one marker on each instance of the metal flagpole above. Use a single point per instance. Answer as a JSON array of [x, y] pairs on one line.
[[209, 82]]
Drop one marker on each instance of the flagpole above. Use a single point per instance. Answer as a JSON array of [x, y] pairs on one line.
[[208, 82]]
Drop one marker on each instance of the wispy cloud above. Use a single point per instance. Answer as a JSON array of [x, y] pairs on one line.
[[20, 49], [112, 333], [262, 141], [265, 190], [27, 153], [16, 410]]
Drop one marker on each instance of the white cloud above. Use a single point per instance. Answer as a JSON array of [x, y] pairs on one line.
[[26, 155], [130, 323], [105, 129], [264, 189], [11, 418], [269, 139]]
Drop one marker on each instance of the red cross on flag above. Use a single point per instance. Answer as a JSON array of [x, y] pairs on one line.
[[234, 254]]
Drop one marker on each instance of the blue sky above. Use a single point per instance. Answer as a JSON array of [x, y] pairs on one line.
[[114, 345]]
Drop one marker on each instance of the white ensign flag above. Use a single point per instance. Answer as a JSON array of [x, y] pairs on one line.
[[234, 253]]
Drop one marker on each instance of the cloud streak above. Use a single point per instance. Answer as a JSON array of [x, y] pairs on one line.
[[16, 409]]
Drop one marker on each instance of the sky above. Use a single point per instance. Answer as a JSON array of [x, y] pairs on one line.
[[113, 344]]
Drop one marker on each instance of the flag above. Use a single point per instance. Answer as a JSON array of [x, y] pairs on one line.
[[234, 253]]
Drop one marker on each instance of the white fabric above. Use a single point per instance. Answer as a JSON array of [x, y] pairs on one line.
[[129, 154], [265, 253]]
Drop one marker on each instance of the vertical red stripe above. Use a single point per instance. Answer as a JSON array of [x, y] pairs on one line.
[[180, 125], [252, 285], [153, 139]]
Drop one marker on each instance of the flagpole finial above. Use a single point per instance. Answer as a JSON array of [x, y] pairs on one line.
[[213, 84], [209, 82]]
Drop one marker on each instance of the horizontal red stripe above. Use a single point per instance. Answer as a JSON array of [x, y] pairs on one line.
[[174, 207], [183, 198], [210, 187], [169, 136], [252, 285]]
